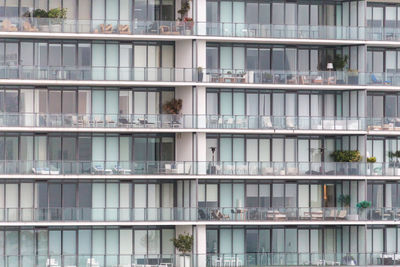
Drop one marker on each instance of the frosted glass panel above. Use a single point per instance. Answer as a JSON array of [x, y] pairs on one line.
[[226, 58], [111, 106], [226, 195], [238, 58], [112, 12], [112, 197], [98, 61], [225, 241], [112, 61], [98, 201], [226, 17], [238, 17], [226, 149], [139, 57]]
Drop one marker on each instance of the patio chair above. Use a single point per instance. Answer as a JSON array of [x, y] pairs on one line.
[[376, 81]]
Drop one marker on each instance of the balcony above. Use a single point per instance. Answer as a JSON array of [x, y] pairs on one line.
[[320, 32], [300, 259], [138, 74], [100, 121], [285, 123], [192, 75], [213, 214], [201, 168], [48, 25], [178, 28], [384, 124], [316, 79], [102, 168], [181, 121]]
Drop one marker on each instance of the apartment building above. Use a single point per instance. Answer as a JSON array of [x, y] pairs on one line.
[[267, 130]]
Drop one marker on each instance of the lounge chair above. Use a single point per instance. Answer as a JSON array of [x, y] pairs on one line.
[[218, 215], [125, 29], [267, 122], [41, 170], [376, 81], [304, 79], [8, 26], [27, 27], [119, 170], [342, 214]]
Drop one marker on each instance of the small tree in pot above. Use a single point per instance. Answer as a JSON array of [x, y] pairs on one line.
[[184, 244], [174, 108]]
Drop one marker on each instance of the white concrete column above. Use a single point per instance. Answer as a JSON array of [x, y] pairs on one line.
[[201, 153], [201, 58], [201, 9], [201, 53], [184, 149], [186, 94], [201, 245], [183, 60]]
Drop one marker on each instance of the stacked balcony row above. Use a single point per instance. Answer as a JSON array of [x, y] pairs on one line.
[[343, 20], [226, 63], [277, 202]]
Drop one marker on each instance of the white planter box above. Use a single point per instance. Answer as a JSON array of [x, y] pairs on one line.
[[184, 261]]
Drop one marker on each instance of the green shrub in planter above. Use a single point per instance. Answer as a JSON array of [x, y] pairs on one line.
[[347, 156], [40, 13], [371, 160], [364, 204]]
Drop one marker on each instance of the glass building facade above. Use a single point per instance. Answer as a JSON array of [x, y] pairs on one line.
[[267, 130]]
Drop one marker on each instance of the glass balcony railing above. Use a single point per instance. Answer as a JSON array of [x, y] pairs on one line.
[[317, 78], [231, 168], [161, 74], [232, 214], [256, 259], [383, 34], [140, 74], [280, 31], [93, 26], [295, 258], [54, 259], [384, 124], [162, 121], [180, 121], [284, 122], [220, 29], [57, 167]]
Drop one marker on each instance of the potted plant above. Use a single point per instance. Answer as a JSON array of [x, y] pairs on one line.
[[344, 200], [371, 160], [200, 74], [362, 205], [185, 7], [56, 16], [353, 76], [188, 23], [347, 156], [41, 16], [339, 63], [184, 244], [174, 108]]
